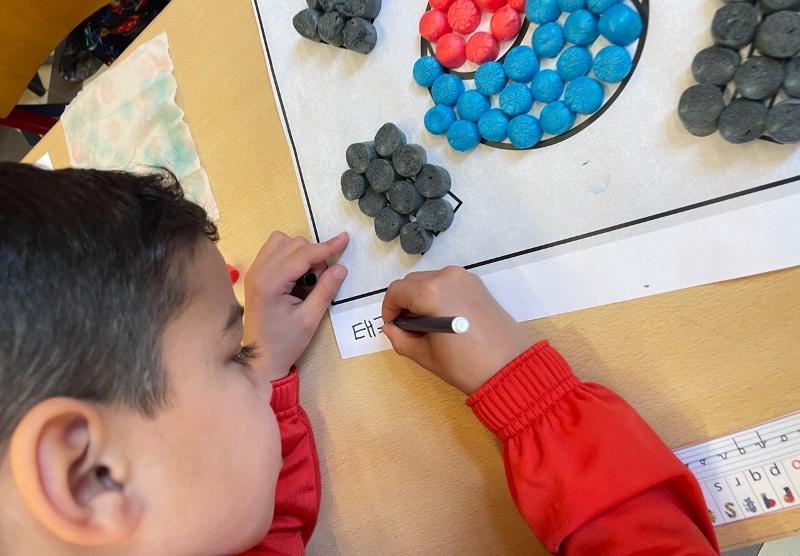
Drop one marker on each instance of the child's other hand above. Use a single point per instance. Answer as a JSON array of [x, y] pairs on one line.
[[280, 324], [465, 361]]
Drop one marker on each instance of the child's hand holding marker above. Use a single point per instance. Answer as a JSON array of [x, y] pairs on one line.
[[465, 361], [279, 324]]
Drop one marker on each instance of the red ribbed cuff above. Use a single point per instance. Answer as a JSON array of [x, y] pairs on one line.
[[286, 392], [523, 391]]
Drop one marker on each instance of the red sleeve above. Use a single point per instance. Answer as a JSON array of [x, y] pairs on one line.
[[588, 475], [297, 494]]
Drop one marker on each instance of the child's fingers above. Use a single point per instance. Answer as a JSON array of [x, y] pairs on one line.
[[311, 254], [404, 295], [404, 343], [274, 243], [320, 298]]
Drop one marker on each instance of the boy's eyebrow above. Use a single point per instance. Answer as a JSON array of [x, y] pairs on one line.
[[234, 319]]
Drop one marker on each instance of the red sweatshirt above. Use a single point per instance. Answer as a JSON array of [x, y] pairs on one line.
[[588, 475]]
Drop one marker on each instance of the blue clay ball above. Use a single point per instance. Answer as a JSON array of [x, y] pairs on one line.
[[426, 70], [439, 119], [571, 5], [581, 28], [547, 86], [471, 105], [463, 136], [556, 118], [490, 78], [612, 64], [584, 95], [516, 99], [493, 125], [446, 89], [548, 40], [600, 6], [542, 11], [521, 63], [621, 25], [574, 62], [524, 131]]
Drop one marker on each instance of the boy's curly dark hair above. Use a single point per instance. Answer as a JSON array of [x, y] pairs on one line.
[[91, 270]]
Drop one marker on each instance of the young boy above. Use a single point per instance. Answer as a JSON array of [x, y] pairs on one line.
[[140, 414]]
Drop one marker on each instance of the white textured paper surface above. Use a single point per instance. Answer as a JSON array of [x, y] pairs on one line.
[[634, 163]]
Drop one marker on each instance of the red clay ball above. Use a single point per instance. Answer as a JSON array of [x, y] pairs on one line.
[[441, 4], [433, 25], [451, 51], [464, 16], [482, 47], [491, 5], [506, 23], [518, 5]]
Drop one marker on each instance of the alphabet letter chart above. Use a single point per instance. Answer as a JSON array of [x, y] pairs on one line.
[[749, 473]]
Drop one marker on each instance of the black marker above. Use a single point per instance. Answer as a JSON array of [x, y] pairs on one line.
[[304, 285], [447, 325]]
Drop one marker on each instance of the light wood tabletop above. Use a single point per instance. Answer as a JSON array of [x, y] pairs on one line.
[[406, 468]]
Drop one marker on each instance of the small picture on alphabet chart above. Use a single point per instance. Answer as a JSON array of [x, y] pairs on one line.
[[749, 473]]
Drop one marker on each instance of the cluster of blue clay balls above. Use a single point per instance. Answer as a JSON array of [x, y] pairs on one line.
[[467, 116]]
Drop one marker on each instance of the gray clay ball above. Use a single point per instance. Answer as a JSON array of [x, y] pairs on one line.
[[359, 155], [770, 6], [435, 215], [759, 77], [783, 121], [743, 121], [779, 35], [388, 138], [433, 181], [791, 78], [360, 35], [408, 160], [330, 5], [368, 9], [404, 197], [715, 65], [381, 174], [699, 109], [331, 28], [414, 239], [306, 22], [372, 202], [354, 185], [734, 25], [388, 224]]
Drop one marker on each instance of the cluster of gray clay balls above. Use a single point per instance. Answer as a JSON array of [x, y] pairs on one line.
[[772, 63], [342, 23], [394, 184]]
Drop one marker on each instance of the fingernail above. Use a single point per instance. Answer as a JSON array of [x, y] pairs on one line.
[[339, 272]]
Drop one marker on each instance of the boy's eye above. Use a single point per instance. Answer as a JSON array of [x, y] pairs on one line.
[[245, 355]]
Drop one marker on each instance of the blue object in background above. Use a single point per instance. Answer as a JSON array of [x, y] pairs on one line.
[[547, 86], [446, 89], [426, 70], [439, 119], [584, 95], [574, 62], [548, 40], [542, 11], [516, 99], [612, 64], [581, 28], [471, 105], [521, 63], [556, 118], [524, 131], [571, 5], [463, 136], [490, 78], [600, 6], [493, 125], [621, 25]]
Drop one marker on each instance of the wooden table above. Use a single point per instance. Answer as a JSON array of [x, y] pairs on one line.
[[406, 468]]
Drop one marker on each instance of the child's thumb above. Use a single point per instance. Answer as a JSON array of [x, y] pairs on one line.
[[320, 298], [402, 342]]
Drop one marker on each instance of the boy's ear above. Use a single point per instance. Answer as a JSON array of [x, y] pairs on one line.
[[69, 477]]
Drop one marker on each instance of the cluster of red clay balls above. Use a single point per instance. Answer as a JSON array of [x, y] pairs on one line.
[[448, 22]]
